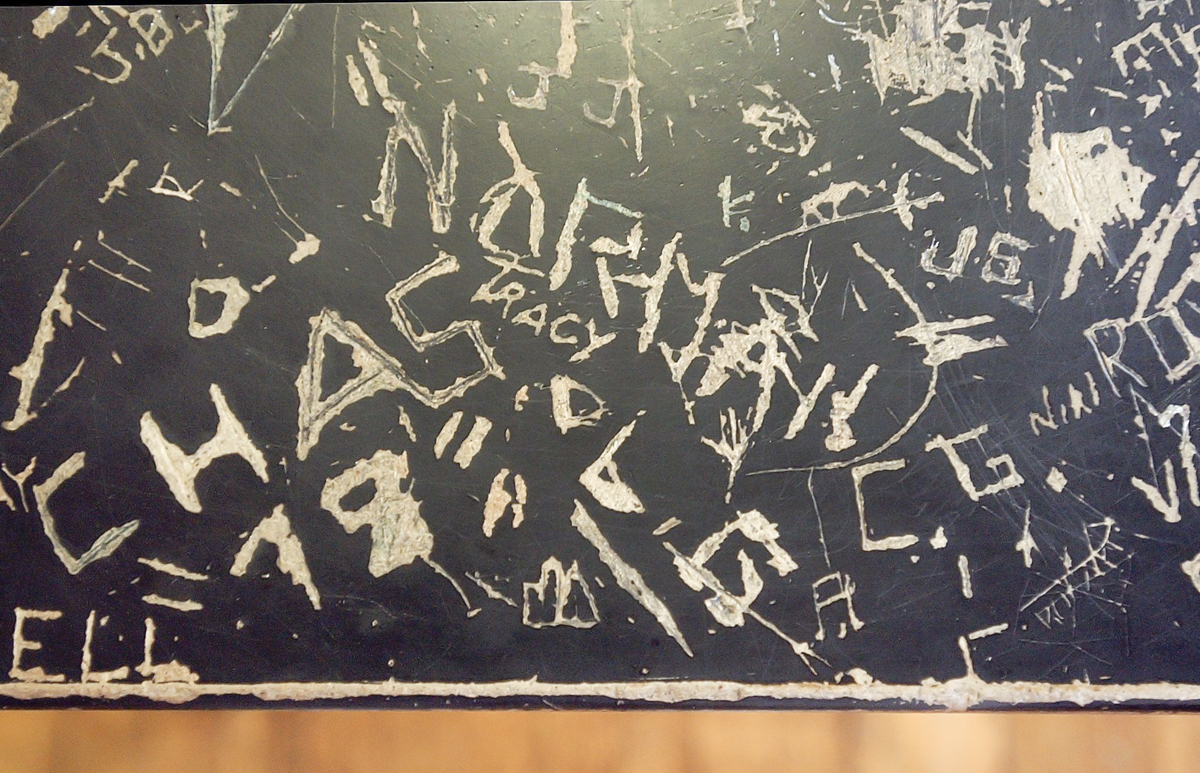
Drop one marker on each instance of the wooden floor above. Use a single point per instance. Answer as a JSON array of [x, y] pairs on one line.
[[658, 742]]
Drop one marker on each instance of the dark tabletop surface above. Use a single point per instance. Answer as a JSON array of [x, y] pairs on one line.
[[767, 353]]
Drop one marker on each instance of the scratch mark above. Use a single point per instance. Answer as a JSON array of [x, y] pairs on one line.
[[118, 253], [491, 591], [939, 150], [172, 569], [120, 276], [919, 203], [218, 17], [32, 193], [118, 183], [627, 577], [47, 125], [186, 605]]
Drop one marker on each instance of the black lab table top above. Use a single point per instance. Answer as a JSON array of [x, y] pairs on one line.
[[751, 353]]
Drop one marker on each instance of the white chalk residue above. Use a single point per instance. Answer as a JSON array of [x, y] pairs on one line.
[[500, 197], [565, 417], [964, 572], [943, 346], [603, 480], [630, 83], [568, 48], [307, 246], [49, 20], [1192, 570], [179, 605], [628, 578], [102, 547], [219, 16], [176, 188], [726, 608], [170, 674], [118, 183], [377, 370], [869, 543], [473, 442], [843, 407], [1155, 246], [1001, 466], [499, 500], [938, 149], [277, 530], [29, 371], [399, 535], [559, 583], [21, 644], [780, 120], [440, 184], [8, 99], [172, 569], [358, 84], [86, 674], [235, 299], [1082, 182], [180, 470], [446, 434], [918, 55]]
